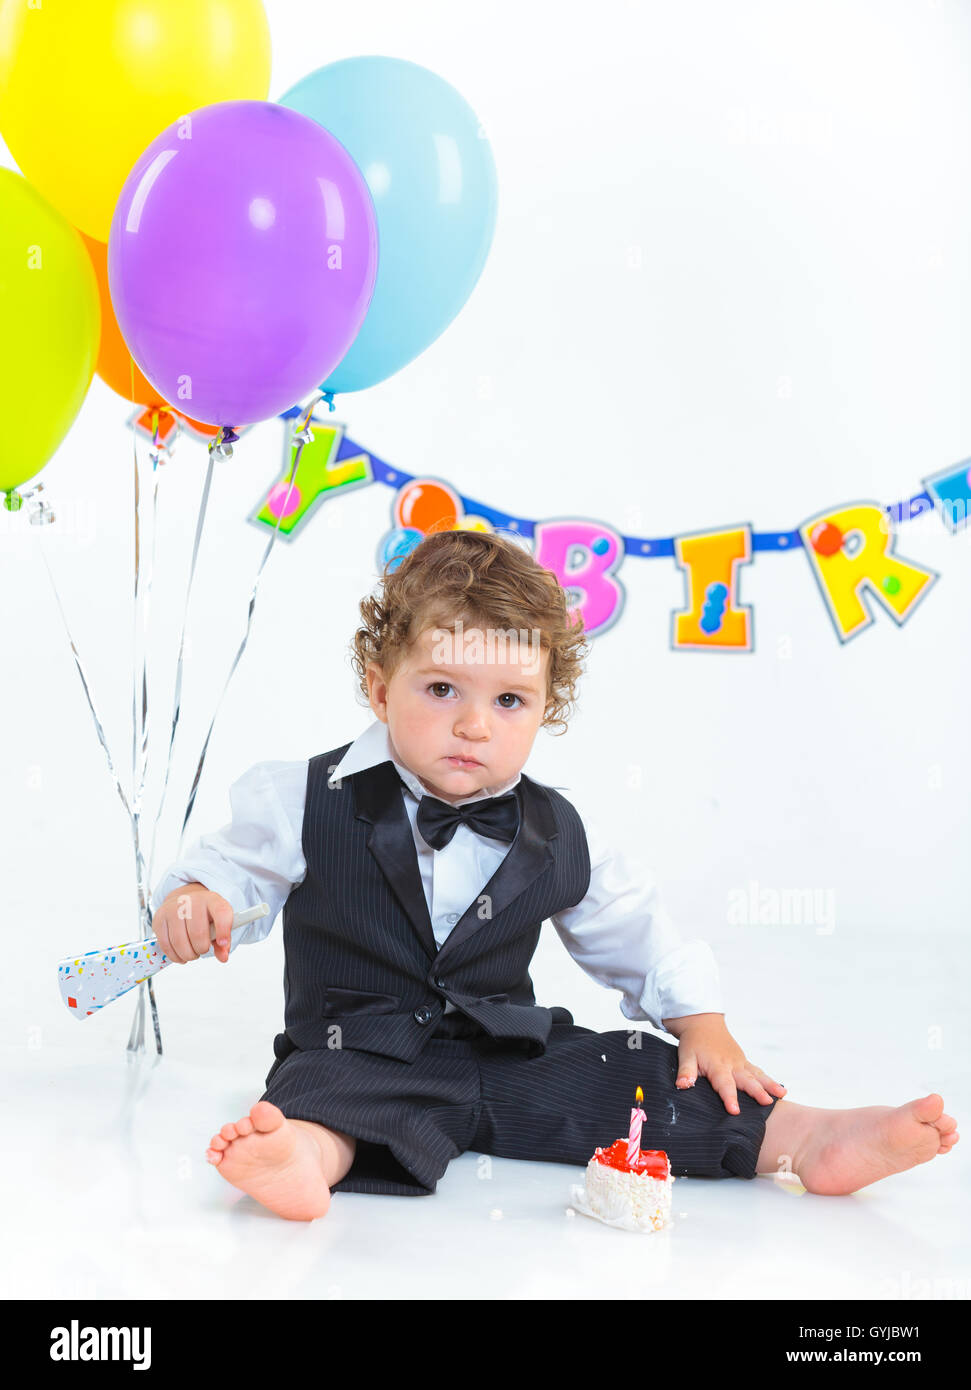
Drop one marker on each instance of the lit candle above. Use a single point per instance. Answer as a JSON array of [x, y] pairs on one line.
[[637, 1118]]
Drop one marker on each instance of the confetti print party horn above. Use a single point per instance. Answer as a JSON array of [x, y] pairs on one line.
[[91, 981]]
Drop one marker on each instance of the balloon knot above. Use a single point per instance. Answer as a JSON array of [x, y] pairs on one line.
[[222, 446]]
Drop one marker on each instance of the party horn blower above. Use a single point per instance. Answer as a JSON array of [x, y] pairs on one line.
[[91, 981]]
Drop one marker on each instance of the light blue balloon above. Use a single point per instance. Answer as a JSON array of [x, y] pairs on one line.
[[433, 181], [397, 544]]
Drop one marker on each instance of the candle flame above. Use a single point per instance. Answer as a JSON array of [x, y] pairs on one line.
[[639, 1095]]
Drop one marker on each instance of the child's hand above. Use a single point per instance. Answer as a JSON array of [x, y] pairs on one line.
[[182, 924], [706, 1048]]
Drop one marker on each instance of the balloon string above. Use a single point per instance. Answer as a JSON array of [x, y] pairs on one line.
[[84, 681], [302, 435], [136, 1036], [138, 765], [177, 703], [143, 752], [140, 722], [138, 794]]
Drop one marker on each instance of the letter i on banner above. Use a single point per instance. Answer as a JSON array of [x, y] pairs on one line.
[[712, 619], [584, 555], [851, 550]]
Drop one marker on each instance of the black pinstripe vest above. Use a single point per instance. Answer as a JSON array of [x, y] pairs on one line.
[[363, 969]]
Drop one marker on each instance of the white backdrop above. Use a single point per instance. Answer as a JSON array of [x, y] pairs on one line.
[[729, 283]]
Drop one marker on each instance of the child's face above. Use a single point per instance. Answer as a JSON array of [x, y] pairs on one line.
[[480, 699]]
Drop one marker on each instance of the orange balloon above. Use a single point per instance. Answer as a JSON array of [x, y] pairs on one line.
[[210, 431], [116, 366], [427, 506], [165, 416]]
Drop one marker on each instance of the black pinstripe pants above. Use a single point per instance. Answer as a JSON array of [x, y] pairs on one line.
[[473, 1092]]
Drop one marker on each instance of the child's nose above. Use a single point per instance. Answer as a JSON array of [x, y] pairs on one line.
[[473, 724]]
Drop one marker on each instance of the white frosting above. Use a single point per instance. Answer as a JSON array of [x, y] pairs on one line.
[[634, 1199]]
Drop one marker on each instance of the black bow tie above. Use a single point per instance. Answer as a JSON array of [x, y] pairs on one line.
[[495, 816]]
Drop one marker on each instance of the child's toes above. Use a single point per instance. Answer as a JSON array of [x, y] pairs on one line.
[[244, 1126], [217, 1146], [229, 1131]]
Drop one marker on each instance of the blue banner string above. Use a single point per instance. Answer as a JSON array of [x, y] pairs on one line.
[[647, 547]]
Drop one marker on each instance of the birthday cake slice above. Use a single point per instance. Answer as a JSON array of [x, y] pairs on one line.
[[635, 1196]]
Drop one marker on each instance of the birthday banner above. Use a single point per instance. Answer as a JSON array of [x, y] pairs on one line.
[[851, 548]]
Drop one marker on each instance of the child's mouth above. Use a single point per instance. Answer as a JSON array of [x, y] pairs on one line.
[[463, 762]]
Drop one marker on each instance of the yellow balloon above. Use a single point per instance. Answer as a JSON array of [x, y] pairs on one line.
[[50, 327], [86, 85]]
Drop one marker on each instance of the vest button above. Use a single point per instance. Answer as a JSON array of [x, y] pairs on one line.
[[422, 1015], [439, 982]]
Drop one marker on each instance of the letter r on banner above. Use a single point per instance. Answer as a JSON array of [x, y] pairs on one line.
[[851, 550]]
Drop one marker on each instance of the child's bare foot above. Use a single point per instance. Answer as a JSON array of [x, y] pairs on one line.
[[835, 1152], [282, 1163]]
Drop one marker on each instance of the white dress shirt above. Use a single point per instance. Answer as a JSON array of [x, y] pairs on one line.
[[620, 933]]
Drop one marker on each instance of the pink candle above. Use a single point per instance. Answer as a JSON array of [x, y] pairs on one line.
[[637, 1118]]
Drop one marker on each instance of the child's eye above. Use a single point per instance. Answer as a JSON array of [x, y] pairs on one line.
[[507, 695]]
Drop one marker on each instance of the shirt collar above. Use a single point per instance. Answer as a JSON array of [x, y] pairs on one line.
[[374, 746]]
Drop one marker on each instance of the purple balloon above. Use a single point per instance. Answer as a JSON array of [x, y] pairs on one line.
[[242, 259]]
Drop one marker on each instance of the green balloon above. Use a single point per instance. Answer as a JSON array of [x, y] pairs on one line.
[[50, 328]]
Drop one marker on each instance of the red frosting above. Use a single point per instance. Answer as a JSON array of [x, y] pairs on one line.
[[653, 1162]]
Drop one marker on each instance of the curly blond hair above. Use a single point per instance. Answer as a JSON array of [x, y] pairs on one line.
[[485, 581]]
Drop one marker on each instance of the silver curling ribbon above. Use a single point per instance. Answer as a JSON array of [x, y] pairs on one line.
[[140, 737], [303, 435], [177, 702], [99, 729], [140, 729]]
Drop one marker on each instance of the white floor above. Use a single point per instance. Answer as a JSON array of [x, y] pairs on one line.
[[108, 1193]]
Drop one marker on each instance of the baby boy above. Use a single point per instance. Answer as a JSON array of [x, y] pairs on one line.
[[415, 867]]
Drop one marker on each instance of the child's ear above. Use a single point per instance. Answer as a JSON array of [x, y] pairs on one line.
[[377, 690]]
